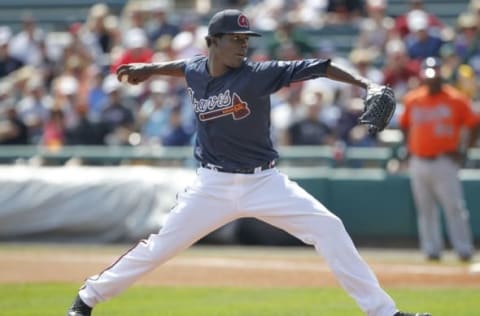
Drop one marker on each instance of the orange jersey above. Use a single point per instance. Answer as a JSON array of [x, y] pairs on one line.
[[434, 121]]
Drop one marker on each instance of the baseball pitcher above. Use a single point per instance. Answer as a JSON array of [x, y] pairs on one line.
[[237, 176]]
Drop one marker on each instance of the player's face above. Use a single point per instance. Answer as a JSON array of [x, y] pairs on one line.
[[232, 49], [433, 79]]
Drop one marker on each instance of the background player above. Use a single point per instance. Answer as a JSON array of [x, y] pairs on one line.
[[237, 177], [434, 116]]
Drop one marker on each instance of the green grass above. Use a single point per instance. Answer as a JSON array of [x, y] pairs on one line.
[[53, 299]]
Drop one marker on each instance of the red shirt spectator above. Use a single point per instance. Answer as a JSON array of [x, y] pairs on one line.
[[137, 50], [54, 129], [401, 22]]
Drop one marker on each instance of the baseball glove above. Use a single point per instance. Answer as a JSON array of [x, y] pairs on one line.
[[379, 107]]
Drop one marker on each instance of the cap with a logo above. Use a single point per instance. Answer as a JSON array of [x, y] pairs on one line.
[[230, 21], [431, 67]]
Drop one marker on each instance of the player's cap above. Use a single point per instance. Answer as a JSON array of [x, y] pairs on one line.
[[431, 67], [230, 21]]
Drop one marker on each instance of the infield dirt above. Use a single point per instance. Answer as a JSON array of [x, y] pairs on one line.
[[228, 266]]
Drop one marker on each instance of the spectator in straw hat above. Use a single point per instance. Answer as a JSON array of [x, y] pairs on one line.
[[362, 61], [467, 41]]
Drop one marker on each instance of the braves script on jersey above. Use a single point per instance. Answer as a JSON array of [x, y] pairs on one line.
[[233, 110]]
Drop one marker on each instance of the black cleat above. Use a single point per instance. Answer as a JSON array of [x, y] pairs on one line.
[[79, 308], [465, 257], [434, 258], [411, 314]]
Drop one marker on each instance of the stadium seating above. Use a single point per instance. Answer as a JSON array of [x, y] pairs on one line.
[[55, 15], [51, 15]]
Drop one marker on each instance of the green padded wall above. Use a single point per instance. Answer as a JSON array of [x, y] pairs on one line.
[[375, 205]]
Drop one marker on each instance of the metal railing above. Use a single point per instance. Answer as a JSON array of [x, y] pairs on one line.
[[157, 155]]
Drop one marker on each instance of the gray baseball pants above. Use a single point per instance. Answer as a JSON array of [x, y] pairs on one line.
[[435, 183]]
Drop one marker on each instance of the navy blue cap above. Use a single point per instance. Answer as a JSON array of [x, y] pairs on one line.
[[431, 67], [431, 62], [230, 21]]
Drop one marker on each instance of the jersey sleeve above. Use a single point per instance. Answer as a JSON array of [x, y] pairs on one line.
[[469, 117], [271, 76], [466, 115]]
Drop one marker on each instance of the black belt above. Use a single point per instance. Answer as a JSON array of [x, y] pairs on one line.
[[266, 166]]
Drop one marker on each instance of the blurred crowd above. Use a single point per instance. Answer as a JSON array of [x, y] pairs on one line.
[[59, 88]]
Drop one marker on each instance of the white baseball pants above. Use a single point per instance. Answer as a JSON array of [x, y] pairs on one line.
[[216, 198]]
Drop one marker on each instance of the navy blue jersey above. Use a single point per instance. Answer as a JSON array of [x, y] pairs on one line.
[[233, 110]]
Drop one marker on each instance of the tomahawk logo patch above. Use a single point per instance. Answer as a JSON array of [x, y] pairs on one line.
[[220, 105]]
